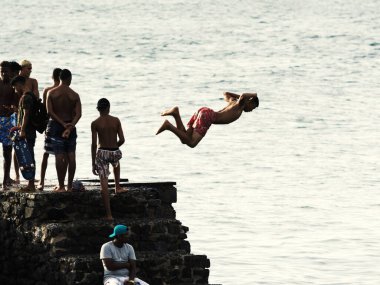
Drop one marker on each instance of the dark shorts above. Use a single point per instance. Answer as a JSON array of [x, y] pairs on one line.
[[59, 144], [48, 146]]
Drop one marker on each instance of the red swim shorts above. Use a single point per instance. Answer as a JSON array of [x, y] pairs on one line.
[[202, 120]]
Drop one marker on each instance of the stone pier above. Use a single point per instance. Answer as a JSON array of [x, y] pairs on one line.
[[55, 238]]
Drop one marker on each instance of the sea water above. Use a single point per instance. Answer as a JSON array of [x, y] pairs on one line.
[[288, 194]]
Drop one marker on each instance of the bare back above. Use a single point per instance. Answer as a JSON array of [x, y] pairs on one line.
[[229, 114], [108, 129], [63, 101]]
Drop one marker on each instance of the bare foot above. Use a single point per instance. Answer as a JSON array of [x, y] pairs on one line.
[[10, 182], [40, 187], [120, 190], [59, 189], [28, 188], [171, 111], [17, 180], [163, 127], [4, 187]]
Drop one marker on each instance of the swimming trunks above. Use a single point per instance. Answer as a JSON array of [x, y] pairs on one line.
[[5, 126], [48, 145], [14, 119], [104, 158], [59, 144], [202, 120]]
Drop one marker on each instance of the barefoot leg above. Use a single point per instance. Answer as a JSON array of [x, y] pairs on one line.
[[61, 162], [164, 127], [71, 170], [44, 164], [175, 113], [106, 197]]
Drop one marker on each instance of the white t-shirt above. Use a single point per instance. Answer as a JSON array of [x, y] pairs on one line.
[[117, 254]]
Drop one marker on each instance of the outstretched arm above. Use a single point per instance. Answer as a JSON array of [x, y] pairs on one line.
[[228, 96]]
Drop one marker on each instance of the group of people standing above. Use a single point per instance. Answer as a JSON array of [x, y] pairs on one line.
[[18, 93]]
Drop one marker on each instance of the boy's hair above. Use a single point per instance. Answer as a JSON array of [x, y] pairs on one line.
[[65, 74], [255, 100], [25, 62], [18, 79], [4, 64], [14, 66], [103, 104], [56, 73]]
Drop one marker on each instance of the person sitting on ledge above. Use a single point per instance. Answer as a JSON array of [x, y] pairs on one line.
[[201, 121], [119, 259]]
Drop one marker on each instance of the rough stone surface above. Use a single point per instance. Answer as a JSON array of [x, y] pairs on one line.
[[55, 238]]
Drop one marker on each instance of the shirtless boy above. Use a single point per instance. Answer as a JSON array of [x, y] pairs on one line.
[[65, 109], [110, 133], [47, 144], [201, 121], [31, 84], [7, 103]]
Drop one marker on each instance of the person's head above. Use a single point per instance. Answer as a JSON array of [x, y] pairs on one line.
[[26, 68], [56, 73], [251, 104], [14, 69], [120, 233], [4, 71], [103, 106], [65, 76], [18, 84]]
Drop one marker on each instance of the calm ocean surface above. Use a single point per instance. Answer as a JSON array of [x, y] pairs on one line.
[[288, 194]]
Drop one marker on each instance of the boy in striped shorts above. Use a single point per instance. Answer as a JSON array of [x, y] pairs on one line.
[[108, 130]]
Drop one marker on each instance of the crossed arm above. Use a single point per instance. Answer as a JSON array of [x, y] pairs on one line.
[[130, 265]]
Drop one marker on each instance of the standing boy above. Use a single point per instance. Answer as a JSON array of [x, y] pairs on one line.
[[65, 109], [110, 133], [47, 145], [27, 130], [7, 101], [31, 84]]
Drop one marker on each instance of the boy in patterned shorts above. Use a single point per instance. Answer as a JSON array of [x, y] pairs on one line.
[[202, 120], [110, 133]]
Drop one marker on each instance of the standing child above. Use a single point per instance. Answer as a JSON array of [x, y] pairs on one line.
[[110, 133], [27, 130], [47, 145]]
